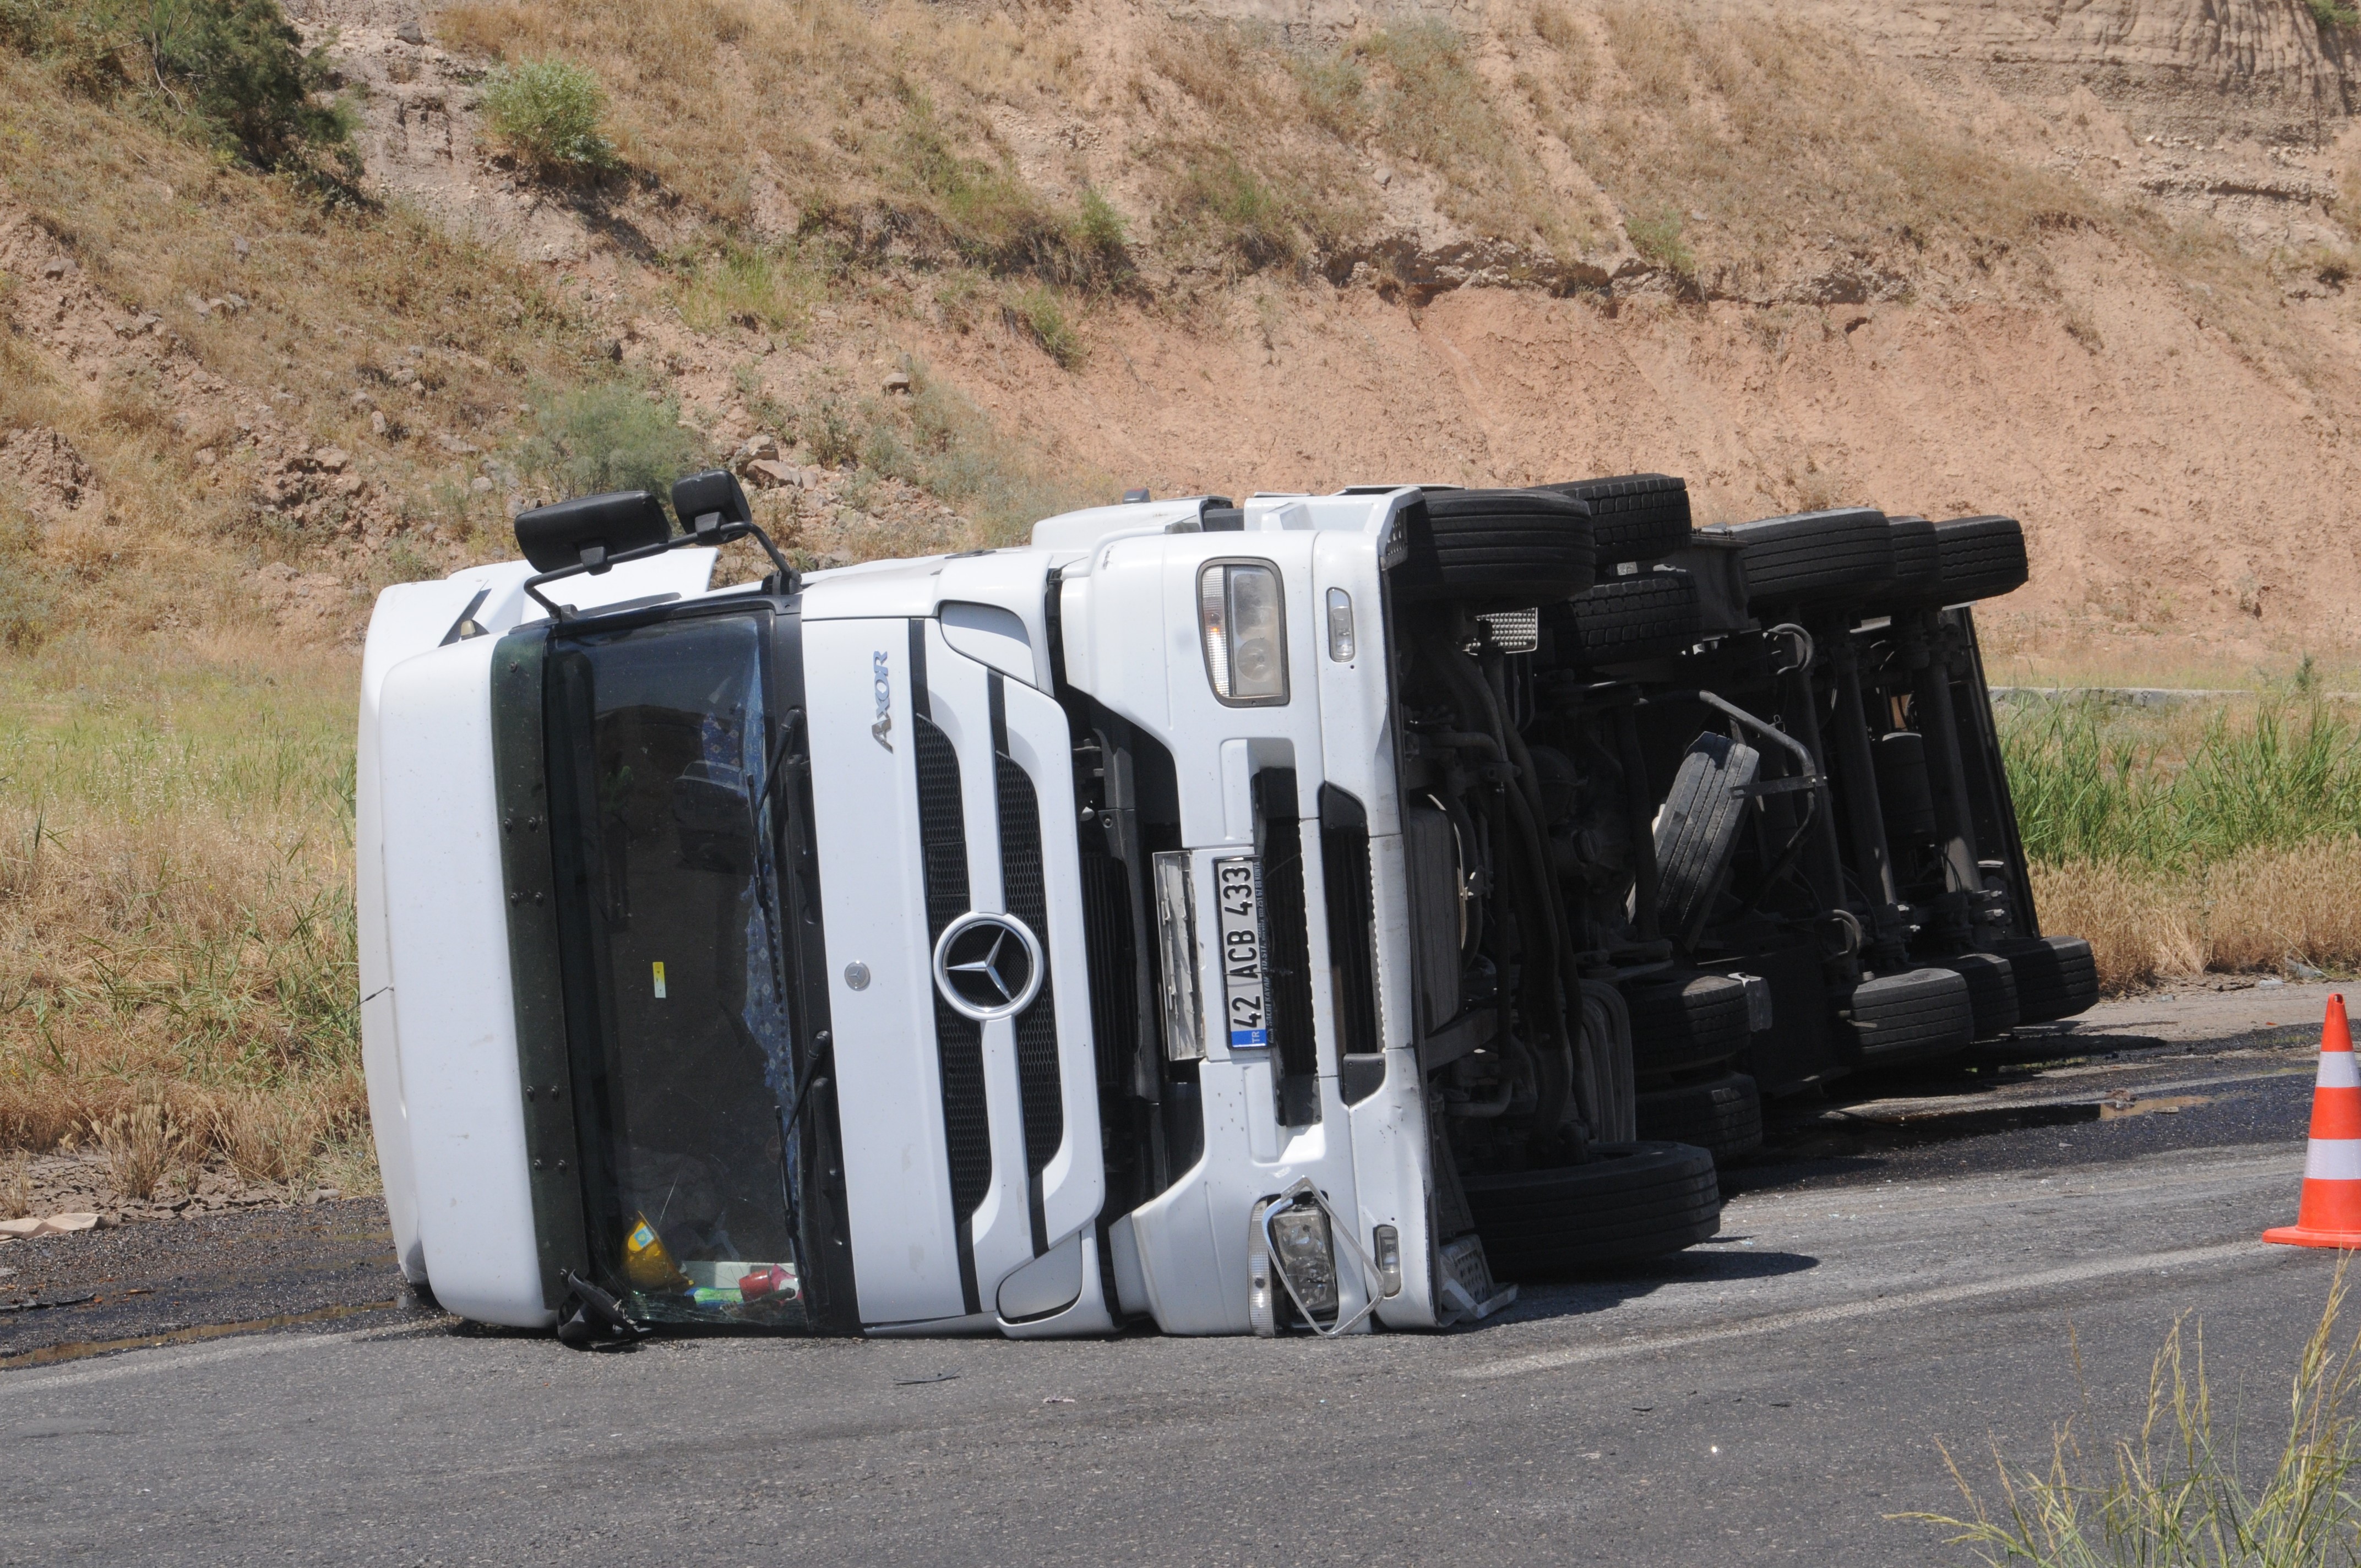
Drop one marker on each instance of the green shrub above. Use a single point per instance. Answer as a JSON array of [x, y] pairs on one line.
[[612, 437], [955, 451], [549, 112], [1098, 241], [1658, 238], [2333, 13], [830, 434], [1233, 206], [1038, 312], [232, 70]]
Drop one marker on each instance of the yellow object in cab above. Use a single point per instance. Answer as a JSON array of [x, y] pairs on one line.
[[646, 1264]]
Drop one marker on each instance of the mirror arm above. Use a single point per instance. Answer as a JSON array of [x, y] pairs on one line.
[[596, 562], [710, 528]]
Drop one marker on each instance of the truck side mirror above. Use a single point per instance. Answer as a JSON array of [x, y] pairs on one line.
[[710, 502], [590, 531]]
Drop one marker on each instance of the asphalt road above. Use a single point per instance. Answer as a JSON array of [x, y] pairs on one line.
[[1961, 1261]]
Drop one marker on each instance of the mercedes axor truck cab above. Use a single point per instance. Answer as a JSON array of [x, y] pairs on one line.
[[1300, 915]]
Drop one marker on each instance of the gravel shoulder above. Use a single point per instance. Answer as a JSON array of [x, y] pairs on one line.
[[329, 1263]]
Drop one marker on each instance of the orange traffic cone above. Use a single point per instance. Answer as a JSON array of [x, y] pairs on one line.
[[2330, 1214]]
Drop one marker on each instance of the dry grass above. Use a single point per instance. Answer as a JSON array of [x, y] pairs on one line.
[[2265, 909], [344, 300], [16, 1184], [1756, 155], [876, 122], [762, 289], [1428, 105], [2215, 836], [275, 1136], [176, 918], [143, 1146], [1779, 136], [940, 441]]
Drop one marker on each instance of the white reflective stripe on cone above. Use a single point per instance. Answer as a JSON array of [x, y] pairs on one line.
[[2338, 1070], [2333, 1159]]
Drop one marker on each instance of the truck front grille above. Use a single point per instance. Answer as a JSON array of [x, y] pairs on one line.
[[1352, 920], [1286, 927], [1115, 975], [1040, 1094], [959, 1041]]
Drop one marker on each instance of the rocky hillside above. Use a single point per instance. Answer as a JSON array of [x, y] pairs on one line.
[[927, 270]]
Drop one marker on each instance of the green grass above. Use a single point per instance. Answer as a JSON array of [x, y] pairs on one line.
[[995, 220], [1219, 197], [1043, 316], [945, 445], [2179, 790], [2180, 1492], [89, 733], [750, 287], [1657, 236]]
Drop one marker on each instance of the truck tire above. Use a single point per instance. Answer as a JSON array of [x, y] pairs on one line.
[[1813, 558], [1696, 832], [2055, 977], [1629, 1202], [1682, 1021], [1916, 1015], [1917, 553], [1644, 616], [1523, 547], [1633, 516], [1917, 564], [1983, 557], [1722, 1116], [1992, 991]]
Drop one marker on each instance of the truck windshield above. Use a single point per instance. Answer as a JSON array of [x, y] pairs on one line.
[[659, 743]]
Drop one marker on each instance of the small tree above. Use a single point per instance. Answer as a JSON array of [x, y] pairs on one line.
[[610, 436], [233, 71], [549, 112]]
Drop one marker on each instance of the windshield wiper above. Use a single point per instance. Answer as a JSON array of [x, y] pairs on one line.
[[772, 767], [814, 1077]]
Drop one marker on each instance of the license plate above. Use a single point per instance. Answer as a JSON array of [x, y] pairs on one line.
[[1237, 893]]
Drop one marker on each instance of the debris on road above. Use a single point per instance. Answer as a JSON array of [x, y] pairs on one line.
[[54, 1226]]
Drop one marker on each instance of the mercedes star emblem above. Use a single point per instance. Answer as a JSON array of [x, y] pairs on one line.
[[987, 966]]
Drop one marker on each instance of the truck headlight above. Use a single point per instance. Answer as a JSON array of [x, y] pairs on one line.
[[1291, 1263], [1244, 621], [1307, 1256]]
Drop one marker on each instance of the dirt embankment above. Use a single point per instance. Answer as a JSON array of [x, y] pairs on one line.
[[2088, 265], [2175, 489]]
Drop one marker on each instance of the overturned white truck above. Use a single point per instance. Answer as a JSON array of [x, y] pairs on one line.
[[1300, 915]]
